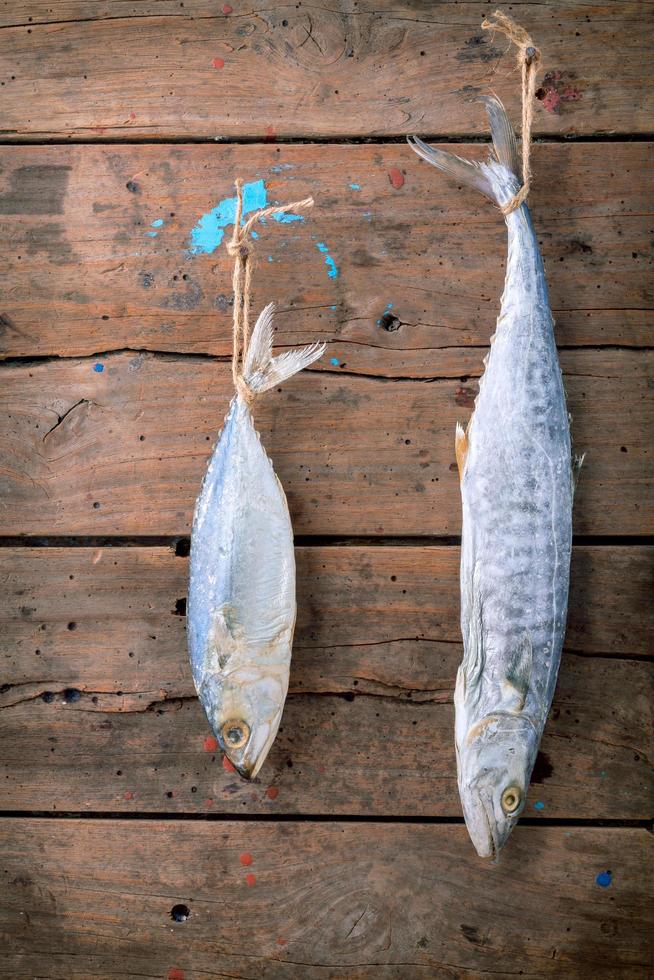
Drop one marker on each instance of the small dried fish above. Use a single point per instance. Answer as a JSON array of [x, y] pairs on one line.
[[241, 605], [517, 482]]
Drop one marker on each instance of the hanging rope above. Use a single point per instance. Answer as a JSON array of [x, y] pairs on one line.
[[240, 247], [529, 63]]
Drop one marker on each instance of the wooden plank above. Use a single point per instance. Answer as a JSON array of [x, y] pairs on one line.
[[119, 445], [101, 712], [83, 274], [386, 67], [94, 899]]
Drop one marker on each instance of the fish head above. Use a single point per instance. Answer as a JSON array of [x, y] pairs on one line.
[[495, 760], [245, 716]]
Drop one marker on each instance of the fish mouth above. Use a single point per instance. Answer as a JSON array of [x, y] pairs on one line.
[[494, 848]]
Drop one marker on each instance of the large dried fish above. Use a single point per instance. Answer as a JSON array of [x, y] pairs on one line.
[[516, 486]]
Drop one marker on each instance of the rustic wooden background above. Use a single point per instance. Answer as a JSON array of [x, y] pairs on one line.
[[129, 850]]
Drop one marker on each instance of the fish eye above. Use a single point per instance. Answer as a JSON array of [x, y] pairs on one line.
[[235, 733], [511, 799]]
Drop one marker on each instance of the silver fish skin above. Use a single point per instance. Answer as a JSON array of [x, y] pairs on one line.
[[241, 602], [517, 484]]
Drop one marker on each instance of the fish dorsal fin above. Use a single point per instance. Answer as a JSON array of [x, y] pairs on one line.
[[472, 665], [515, 684]]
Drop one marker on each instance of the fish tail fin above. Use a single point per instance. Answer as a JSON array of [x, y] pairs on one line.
[[262, 371], [497, 178]]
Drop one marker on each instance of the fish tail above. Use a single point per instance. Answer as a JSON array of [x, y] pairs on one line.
[[498, 178], [262, 371]]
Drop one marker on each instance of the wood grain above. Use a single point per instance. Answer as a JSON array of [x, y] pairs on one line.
[[88, 70], [321, 901], [119, 445], [100, 712], [420, 268]]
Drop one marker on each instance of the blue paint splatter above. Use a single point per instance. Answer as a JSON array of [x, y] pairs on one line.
[[255, 234], [332, 268], [604, 879], [158, 223], [335, 361], [355, 187], [333, 307], [98, 368], [270, 258], [209, 232], [152, 234], [538, 805], [367, 215]]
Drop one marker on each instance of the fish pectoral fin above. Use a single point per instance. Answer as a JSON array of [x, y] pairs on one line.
[[577, 463], [461, 448], [515, 685]]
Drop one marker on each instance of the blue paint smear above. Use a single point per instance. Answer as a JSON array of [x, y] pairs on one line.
[[255, 234], [604, 879], [158, 223], [209, 232], [538, 805], [333, 307], [98, 368], [152, 234], [335, 361], [355, 187], [332, 269], [270, 258]]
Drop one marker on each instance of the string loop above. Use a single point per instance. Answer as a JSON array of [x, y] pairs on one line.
[[241, 249], [529, 62]]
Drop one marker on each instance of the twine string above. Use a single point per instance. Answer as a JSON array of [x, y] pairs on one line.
[[240, 248], [529, 62]]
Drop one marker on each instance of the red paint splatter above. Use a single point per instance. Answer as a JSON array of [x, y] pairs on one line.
[[175, 973], [210, 744], [227, 9], [208, 803], [281, 942], [396, 178], [128, 795], [250, 879], [271, 135], [557, 90], [246, 859], [227, 765], [218, 63], [272, 792], [132, 116]]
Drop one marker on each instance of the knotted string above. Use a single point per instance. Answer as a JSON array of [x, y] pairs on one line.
[[240, 247], [528, 62]]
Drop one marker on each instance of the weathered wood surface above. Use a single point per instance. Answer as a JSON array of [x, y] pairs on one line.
[[100, 712], [119, 445], [82, 272], [340, 900], [381, 67]]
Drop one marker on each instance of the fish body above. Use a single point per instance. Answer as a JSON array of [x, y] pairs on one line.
[[241, 604], [517, 488]]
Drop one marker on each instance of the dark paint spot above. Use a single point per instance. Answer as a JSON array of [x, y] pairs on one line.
[[188, 300], [542, 769], [465, 397], [390, 322], [50, 238], [39, 189], [180, 607], [48, 697], [471, 933], [422, 943], [147, 279], [133, 187], [72, 627], [71, 695], [478, 48], [180, 913]]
